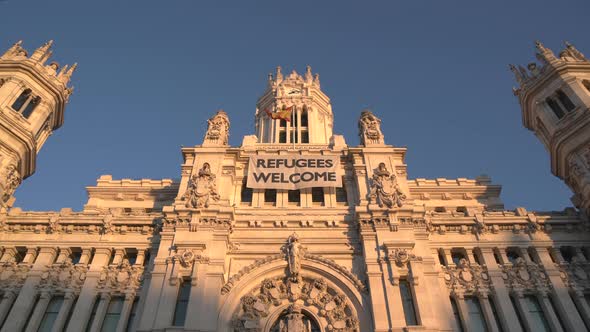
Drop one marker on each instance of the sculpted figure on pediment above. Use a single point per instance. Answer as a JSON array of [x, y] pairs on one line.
[[384, 188], [370, 129], [217, 129], [201, 188]]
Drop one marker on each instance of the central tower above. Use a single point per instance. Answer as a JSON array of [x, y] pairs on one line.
[[294, 110]]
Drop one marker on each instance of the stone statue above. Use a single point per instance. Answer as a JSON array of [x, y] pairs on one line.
[[9, 181], [293, 321], [201, 188], [294, 252], [384, 188], [370, 129], [217, 129]]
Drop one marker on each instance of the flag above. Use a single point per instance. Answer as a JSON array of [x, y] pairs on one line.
[[284, 114]]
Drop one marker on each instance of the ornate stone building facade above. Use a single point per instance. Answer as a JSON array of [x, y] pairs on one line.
[[212, 252]]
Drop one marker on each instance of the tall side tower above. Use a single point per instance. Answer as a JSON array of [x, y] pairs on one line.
[[555, 98], [294, 110], [33, 96]]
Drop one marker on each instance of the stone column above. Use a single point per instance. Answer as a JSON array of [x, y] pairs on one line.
[[213, 283], [125, 312], [7, 300], [552, 319], [393, 297], [167, 298], [64, 253], [420, 292], [30, 256], [581, 303], [462, 309], [64, 311], [486, 308], [158, 284], [119, 255], [140, 257], [375, 280], [8, 255], [87, 297], [563, 302], [194, 318], [101, 311], [17, 318], [38, 312], [85, 256], [506, 313]]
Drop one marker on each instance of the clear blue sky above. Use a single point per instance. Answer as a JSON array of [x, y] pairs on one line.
[[152, 72]]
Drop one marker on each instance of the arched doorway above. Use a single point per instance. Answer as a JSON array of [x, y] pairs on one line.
[[294, 319]]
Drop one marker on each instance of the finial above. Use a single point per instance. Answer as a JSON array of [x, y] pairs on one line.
[[279, 74], [574, 52], [517, 73], [40, 53], [308, 74], [62, 74], [545, 55], [14, 51]]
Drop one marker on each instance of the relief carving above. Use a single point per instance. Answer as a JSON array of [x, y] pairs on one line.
[[13, 275], [217, 129], [121, 277], [201, 189], [467, 278], [63, 276], [525, 276], [384, 188], [10, 179], [333, 307]]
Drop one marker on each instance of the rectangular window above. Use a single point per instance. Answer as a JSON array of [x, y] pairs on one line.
[[51, 314], [282, 137], [184, 292], [317, 195], [246, 193], [475, 314], [456, 314], [408, 302], [341, 196], [111, 318], [538, 320], [304, 136], [270, 196], [294, 196]]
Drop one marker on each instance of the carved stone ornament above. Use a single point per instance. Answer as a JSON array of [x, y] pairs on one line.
[[121, 277], [217, 129], [63, 276], [10, 179], [467, 278], [525, 276], [13, 275], [402, 256], [335, 312], [201, 189], [576, 274], [370, 129], [384, 188]]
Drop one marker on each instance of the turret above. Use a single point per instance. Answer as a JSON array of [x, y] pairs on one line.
[[554, 96], [294, 110], [33, 96]]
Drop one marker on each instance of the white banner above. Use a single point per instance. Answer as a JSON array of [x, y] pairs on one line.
[[293, 172]]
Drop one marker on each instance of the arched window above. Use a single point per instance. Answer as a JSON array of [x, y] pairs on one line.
[[283, 322], [304, 118], [565, 100], [21, 100], [26, 103], [304, 127], [555, 107]]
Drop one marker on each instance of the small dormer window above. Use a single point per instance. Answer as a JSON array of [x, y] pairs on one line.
[[26, 103], [560, 104]]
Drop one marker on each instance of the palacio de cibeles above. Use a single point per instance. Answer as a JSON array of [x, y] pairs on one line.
[[294, 230]]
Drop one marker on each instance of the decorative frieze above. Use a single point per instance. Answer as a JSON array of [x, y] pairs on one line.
[[467, 278]]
